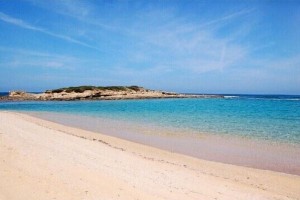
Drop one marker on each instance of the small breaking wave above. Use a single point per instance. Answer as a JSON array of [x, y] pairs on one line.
[[231, 97]]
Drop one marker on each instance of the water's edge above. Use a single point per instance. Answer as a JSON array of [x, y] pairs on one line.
[[272, 119], [260, 154]]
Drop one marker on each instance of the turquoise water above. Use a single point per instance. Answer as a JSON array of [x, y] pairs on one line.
[[275, 118]]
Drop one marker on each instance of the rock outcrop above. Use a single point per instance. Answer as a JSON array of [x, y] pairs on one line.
[[98, 93]]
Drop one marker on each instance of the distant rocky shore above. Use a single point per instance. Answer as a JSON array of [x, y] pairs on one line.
[[97, 93]]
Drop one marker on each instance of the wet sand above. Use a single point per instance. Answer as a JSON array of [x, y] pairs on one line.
[[259, 154], [45, 160]]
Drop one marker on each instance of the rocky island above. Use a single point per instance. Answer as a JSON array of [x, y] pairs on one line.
[[97, 93]]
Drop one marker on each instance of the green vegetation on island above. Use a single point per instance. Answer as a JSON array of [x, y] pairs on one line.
[[81, 89]]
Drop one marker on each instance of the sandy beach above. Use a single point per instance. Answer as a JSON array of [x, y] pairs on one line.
[[241, 151], [45, 160]]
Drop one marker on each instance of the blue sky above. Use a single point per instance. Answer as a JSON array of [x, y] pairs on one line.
[[182, 46]]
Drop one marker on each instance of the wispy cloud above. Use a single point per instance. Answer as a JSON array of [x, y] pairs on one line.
[[77, 9], [155, 42], [50, 64], [189, 46], [228, 17], [23, 58], [28, 52], [25, 25], [17, 58], [17, 22], [171, 43]]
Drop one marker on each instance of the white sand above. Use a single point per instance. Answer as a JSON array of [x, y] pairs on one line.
[[43, 160]]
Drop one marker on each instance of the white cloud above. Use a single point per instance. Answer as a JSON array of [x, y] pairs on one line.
[[188, 46], [157, 37], [27, 58], [158, 41], [77, 9], [28, 52], [228, 17], [23, 24], [17, 22]]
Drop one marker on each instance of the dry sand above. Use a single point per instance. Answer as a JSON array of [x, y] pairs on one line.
[[44, 160]]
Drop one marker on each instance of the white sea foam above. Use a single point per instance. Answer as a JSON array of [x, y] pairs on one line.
[[230, 97]]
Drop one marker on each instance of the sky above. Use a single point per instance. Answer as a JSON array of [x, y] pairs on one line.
[[187, 46]]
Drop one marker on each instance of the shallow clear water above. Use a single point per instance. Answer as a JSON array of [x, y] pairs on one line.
[[275, 117]]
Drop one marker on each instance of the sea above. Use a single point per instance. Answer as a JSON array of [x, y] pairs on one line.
[[274, 118], [3, 94]]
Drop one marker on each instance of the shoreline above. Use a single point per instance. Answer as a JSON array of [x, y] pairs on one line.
[[45, 160], [230, 149]]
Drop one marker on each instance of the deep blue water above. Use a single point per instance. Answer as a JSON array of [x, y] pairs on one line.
[[268, 117], [3, 94], [6, 93]]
